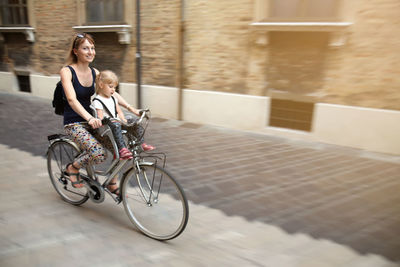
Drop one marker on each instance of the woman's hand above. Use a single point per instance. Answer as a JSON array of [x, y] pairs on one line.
[[94, 123]]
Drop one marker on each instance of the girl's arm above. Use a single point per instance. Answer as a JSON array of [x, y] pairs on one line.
[[69, 91], [120, 113], [125, 104], [100, 114]]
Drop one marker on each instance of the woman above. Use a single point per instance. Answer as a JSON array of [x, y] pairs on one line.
[[78, 80]]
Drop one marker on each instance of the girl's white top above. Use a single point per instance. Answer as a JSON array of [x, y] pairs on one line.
[[109, 104]]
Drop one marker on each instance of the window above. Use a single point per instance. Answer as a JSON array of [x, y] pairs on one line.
[[14, 13], [106, 16], [304, 10], [305, 15], [17, 16], [104, 12]]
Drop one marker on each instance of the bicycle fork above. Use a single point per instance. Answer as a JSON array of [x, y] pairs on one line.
[[149, 197]]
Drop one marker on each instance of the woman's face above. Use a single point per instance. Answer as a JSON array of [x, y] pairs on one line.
[[85, 52]]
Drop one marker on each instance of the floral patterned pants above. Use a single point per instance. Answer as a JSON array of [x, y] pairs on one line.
[[92, 150], [92, 145]]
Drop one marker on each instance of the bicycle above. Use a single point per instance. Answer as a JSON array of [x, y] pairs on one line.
[[153, 200]]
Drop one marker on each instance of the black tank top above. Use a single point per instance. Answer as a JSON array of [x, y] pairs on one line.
[[83, 94]]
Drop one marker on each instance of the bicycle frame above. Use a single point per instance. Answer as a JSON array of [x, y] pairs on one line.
[[116, 165], [152, 198]]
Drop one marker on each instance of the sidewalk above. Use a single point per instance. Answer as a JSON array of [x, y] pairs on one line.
[[317, 197], [39, 229]]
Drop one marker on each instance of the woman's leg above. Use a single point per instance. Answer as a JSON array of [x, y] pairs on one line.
[[113, 185], [106, 142], [92, 150], [73, 172]]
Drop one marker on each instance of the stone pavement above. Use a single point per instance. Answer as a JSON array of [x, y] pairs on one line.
[[39, 229], [290, 203]]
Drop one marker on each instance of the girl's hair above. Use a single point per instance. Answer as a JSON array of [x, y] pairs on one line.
[[76, 42], [105, 76]]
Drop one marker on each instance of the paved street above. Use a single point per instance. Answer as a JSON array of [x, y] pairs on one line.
[[255, 200]]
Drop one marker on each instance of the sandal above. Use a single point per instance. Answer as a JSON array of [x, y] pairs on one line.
[[115, 191], [147, 147], [78, 180], [124, 153]]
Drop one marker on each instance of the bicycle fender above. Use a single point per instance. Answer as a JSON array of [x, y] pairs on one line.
[[62, 139], [148, 163]]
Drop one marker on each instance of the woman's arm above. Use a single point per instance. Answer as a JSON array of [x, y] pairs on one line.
[[69, 91], [125, 104]]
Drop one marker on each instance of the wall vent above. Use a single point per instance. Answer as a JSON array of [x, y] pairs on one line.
[[24, 83], [291, 114]]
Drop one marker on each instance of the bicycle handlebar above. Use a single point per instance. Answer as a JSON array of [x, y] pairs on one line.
[[143, 115]]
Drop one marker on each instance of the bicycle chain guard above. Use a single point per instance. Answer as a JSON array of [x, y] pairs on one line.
[[95, 190]]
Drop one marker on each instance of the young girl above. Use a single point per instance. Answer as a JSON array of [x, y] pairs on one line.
[[107, 106]]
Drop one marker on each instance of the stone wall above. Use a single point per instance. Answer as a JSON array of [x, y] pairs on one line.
[[224, 53], [217, 45], [159, 41], [53, 33], [366, 71]]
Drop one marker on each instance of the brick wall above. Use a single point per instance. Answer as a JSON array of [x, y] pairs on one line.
[[160, 41], [366, 71], [54, 20], [224, 53], [16, 51], [217, 45]]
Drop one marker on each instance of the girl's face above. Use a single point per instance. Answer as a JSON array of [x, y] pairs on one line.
[[85, 52], [107, 89]]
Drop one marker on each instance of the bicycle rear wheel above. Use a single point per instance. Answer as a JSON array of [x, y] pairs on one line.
[[61, 153], [155, 202]]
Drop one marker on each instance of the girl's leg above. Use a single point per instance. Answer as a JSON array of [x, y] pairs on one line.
[[138, 132], [115, 126], [116, 130]]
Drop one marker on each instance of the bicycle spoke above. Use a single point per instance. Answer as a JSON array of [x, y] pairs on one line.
[[141, 188], [61, 153], [161, 220]]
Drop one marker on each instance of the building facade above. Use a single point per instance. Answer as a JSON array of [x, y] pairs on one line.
[[324, 70]]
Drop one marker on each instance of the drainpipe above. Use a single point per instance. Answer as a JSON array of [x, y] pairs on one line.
[[180, 77], [138, 56]]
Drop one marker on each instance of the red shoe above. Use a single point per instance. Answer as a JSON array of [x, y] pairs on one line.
[[124, 153], [147, 147]]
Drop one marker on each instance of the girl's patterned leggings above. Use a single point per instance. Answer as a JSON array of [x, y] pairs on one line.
[[116, 130], [92, 150]]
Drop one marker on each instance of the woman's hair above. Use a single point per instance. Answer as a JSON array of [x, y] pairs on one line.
[[76, 42], [107, 77]]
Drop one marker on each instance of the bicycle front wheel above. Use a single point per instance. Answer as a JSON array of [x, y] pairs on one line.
[[155, 202], [61, 153]]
